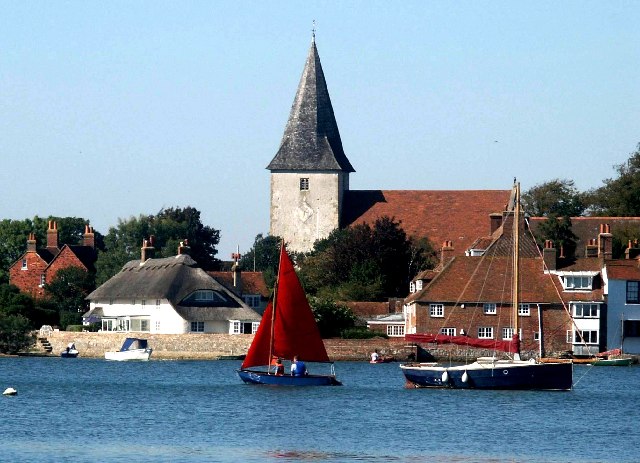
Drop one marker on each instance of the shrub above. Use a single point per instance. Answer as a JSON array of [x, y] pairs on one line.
[[361, 333], [75, 328]]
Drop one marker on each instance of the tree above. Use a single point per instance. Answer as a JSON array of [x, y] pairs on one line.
[[331, 318], [364, 262], [263, 257], [15, 334], [556, 197], [67, 292], [558, 230], [169, 227], [619, 197]]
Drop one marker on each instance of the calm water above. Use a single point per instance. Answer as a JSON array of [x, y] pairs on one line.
[[189, 411]]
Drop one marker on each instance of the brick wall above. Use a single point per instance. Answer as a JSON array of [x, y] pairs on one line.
[[65, 259], [28, 280]]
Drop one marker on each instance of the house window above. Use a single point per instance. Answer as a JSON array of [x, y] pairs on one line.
[[448, 331], [395, 330], [589, 337], [436, 310], [524, 310], [412, 287], [133, 302], [254, 327], [197, 327], [143, 302], [536, 335], [110, 301], [157, 326], [204, 295], [252, 301], [578, 282], [24, 264], [507, 334], [632, 292], [236, 327], [631, 328], [586, 310], [418, 285], [304, 184], [485, 332], [157, 303], [43, 280], [144, 325], [490, 308]]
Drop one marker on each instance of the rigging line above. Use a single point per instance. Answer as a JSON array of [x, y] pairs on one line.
[[555, 286]]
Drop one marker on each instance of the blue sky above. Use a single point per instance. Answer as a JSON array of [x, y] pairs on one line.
[[113, 109]]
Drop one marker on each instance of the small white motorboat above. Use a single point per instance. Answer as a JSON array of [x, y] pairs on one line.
[[9, 391], [132, 349]]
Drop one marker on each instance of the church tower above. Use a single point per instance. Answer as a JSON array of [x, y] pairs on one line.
[[310, 172]]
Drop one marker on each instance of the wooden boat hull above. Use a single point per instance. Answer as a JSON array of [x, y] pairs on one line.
[[498, 375], [262, 377]]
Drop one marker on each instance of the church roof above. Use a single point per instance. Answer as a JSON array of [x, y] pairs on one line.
[[311, 139], [455, 215]]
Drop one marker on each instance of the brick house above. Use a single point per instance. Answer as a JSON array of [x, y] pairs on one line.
[[38, 266], [471, 294], [250, 286]]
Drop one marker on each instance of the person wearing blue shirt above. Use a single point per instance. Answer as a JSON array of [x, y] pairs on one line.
[[298, 368]]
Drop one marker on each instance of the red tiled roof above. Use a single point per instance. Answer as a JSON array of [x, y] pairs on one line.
[[252, 282], [460, 216], [623, 269]]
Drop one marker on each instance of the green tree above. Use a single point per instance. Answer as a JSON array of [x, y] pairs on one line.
[[619, 197], [13, 302], [558, 230], [15, 334], [263, 257], [332, 318], [67, 292], [169, 227], [556, 197], [622, 235]]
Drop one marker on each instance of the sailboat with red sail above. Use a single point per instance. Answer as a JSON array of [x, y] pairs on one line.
[[491, 372], [288, 329]]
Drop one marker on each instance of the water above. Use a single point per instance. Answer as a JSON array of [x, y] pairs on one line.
[[85, 410]]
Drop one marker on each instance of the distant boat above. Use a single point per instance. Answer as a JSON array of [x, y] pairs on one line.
[[490, 372], [619, 362], [288, 328], [70, 351], [132, 349]]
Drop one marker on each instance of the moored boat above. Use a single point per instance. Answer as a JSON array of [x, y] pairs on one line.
[[132, 349], [70, 351]]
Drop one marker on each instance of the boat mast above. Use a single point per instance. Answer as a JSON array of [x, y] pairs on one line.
[[516, 252], [273, 308]]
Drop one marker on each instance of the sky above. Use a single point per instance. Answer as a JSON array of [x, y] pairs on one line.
[[110, 110]]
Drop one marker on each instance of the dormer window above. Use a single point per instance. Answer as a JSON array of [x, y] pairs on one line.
[[304, 184], [24, 264], [575, 281]]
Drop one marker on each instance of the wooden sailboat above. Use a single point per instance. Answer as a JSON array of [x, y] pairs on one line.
[[490, 372], [288, 329]]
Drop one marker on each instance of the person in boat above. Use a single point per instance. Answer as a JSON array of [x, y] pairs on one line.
[[279, 367], [375, 358], [298, 368]]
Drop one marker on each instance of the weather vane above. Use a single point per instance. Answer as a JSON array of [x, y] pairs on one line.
[[313, 30]]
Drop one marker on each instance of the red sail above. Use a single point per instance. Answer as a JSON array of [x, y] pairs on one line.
[[512, 346], [295, 331]]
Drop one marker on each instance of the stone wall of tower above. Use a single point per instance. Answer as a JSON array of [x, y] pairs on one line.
[[303, 216]]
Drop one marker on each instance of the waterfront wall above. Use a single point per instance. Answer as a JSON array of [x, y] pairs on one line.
[[205, 346]]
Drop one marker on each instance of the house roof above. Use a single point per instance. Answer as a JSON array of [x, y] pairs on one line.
[[173, 278], [440, 215], [86, 254], [252, 282], [311, 139], [627, 269]]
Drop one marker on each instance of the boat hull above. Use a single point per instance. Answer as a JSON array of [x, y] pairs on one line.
[[625, 362], [498, 375], [69, 355], [134, 354], [264, 378]]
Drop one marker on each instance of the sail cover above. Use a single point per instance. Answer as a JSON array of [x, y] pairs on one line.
[[511, 346], [295, 331]]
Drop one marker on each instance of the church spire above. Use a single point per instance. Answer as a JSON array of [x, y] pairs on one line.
[[311, 139]]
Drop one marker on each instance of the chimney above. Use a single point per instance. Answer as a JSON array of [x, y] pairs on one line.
[[446, 253], [591, 250], [549, 255], [31, 242], [632, 250], [147, 251], [605, 240], [496, 221], [88, 239], [52, 235], [237, 273], [184, 248]]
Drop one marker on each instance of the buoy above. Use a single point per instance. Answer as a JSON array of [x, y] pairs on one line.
[[445, 377], [465, 377], [9, 391]]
